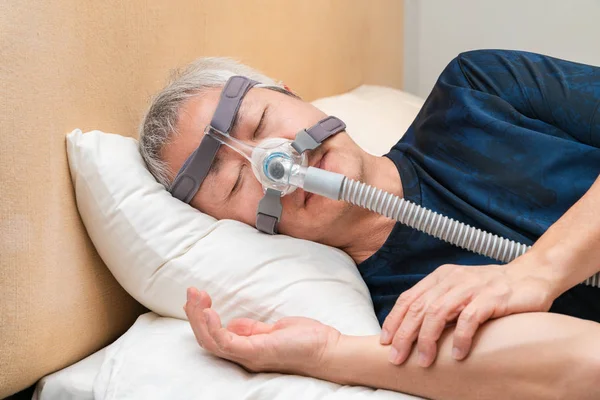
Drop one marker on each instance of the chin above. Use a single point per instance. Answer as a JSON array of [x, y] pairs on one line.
[[347, 164], [324, 210]]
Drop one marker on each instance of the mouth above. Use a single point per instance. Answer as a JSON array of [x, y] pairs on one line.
[[307, 196]]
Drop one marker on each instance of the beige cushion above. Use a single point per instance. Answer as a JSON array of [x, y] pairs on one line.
[[93, 65]]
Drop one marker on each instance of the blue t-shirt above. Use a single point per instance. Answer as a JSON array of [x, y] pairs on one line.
[[507, 142]]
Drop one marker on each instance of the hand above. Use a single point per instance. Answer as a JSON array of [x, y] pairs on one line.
[[291, 345], [469, 295]]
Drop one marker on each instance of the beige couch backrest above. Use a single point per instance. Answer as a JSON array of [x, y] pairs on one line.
[[68, 64]]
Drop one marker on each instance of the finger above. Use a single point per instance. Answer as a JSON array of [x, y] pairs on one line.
[[205, 299], [198, 298], [411, 324], [476, 313], [229, 345], [198, 323], [248, 327], [291, 321], [395, 317], [437, 316]]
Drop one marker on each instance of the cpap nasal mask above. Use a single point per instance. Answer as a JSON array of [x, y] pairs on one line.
[[273, 160], [281, 166]]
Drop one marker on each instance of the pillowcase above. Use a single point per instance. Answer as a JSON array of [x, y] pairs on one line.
[[157, 246], [376, 116]]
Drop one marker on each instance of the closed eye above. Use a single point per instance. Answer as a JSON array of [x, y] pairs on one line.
[[238, 182], [261, 124]]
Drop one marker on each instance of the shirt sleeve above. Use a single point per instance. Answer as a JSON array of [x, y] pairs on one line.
[[561, 93]]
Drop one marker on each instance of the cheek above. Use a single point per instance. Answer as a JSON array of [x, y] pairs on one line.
[[292, 117], [344, 157], [241, 207], [245, 206], [348, 165], [314, 222]]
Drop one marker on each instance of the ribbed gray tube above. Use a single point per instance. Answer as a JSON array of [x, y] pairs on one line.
[[434, 224]]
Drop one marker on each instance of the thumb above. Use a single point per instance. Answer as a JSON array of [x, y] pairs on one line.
[[248, 327]]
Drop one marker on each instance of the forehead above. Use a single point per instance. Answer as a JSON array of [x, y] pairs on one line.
[[194, 116], [196, 113]]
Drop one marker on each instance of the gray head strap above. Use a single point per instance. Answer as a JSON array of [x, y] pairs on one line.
[[196, 167], [269, 212], [311, 138]]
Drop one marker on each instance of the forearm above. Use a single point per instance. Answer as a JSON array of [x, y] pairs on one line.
[[569, 252], [525, 356]]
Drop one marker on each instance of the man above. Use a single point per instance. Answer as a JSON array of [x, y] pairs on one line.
[[507, 142]]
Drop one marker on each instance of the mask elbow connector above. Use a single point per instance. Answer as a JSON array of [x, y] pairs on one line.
[[324, 183], [282, 171]]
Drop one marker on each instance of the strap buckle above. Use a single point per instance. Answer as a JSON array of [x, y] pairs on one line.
[[269, 212], [311, 138]]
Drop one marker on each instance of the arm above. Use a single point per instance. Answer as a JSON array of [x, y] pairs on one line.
[[569, 251], [525, 356], [563, 100], [564, 256], [563, 94]]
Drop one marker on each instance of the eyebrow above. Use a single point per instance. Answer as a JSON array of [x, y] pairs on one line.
[[239, 119], [215, 166]]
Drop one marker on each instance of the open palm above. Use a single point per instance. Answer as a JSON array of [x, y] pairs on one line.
[[290, 345]]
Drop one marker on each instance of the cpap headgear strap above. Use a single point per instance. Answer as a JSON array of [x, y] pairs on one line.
[[195, 169]]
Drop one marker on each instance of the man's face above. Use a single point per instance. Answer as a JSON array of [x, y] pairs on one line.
[[231, 191]]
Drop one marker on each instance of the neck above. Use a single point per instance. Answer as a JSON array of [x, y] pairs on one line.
[[369, 230]]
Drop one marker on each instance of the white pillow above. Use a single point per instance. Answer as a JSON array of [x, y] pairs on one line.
[[376, 116], [157, 246]]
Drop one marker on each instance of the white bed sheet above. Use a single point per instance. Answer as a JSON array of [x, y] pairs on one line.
[[75, 382], [158, 358]]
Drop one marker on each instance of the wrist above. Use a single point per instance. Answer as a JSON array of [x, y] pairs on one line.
[[332, 364], [547, 267], [317, 363]]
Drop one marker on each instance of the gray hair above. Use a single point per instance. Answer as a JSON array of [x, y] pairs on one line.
[[160, 121]]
